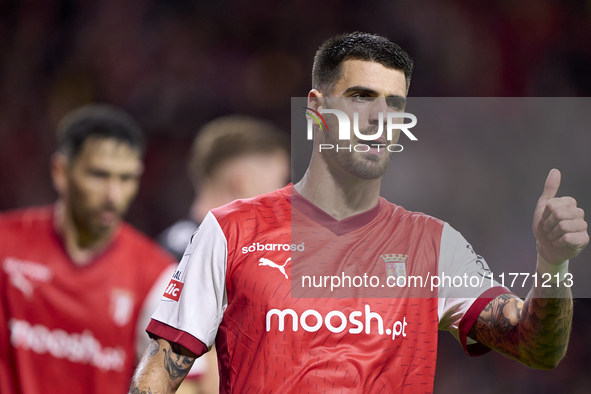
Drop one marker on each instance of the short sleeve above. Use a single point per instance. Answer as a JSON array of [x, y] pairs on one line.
[[194, 300], [466, 287]]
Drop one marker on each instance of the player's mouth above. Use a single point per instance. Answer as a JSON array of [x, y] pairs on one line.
[[376, 146], [108, 217]]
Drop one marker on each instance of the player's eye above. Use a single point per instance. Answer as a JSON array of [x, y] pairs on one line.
[[128, 177], [396, 103], [98, 174], [362, 98]]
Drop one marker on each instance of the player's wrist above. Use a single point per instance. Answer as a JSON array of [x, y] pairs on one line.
[[545, 268]]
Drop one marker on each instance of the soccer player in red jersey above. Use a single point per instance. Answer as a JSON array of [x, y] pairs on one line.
[[77, 284], [257, 277]]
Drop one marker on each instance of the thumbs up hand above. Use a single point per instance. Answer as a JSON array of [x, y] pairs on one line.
[[558, 224]]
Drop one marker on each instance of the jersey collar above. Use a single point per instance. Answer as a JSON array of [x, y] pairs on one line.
[[339, 227]]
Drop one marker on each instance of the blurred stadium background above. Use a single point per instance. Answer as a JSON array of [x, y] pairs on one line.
[[176, 64]]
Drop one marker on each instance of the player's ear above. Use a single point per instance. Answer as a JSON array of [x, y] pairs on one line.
[[314, 99], [59, 172]]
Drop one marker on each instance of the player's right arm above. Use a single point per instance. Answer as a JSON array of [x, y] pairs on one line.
[[162, 368], [189, 313]]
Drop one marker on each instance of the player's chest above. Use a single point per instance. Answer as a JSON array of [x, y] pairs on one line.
[[323, 265], [49, 290], [344, 286], [272, 298]]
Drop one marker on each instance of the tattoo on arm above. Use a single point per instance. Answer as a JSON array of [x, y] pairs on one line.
[[153, 348], [161, 371], [175, 363], [535, 332], [496, 327], [135, 390]]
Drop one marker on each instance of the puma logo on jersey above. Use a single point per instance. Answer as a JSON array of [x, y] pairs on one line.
[[173, 291], [269, 263]]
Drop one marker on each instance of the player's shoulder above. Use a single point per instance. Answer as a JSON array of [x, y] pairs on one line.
[[403, 216], [25, 219], [275, 203], [141, 245]]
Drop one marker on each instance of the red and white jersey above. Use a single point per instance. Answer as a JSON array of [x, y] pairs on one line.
[[258, 280], [66, 328]]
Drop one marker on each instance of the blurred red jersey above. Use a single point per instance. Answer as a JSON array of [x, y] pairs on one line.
[[65, 328], [259, 279]]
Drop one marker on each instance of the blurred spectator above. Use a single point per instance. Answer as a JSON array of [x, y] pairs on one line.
[[77, 283]]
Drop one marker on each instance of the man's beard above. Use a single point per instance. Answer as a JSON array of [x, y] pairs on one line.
[[86, 219], [359, 164]]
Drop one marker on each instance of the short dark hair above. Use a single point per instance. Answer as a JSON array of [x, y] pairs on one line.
[[97, 121], [229, 137], [333, 52]]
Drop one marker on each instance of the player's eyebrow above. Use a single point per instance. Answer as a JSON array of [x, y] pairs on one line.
[[372, 92], [360, 89]]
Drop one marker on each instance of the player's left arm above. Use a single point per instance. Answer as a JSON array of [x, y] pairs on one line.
[[536, 331]]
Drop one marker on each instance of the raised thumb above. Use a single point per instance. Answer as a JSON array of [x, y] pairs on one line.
[[551, 186]]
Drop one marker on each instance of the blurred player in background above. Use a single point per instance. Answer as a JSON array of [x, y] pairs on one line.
[[232, 157], [76, 282]]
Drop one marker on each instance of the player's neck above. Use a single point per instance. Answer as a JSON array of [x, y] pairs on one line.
[[81, 246], [339, 194], [209, 198]]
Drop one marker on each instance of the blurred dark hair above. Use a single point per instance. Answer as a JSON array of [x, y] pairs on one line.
[[229, 137], [97, 121], [356, 46]]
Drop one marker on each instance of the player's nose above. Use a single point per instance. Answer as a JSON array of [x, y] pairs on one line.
[[378, 111], [115, 191]]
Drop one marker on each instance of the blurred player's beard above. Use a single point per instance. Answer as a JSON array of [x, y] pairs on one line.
[[88, 219], [359, 164]]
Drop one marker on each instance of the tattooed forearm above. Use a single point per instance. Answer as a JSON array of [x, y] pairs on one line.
[[545, 327], [535, 332], [153, 348], [175, 363], [135, 390], [161, 371]]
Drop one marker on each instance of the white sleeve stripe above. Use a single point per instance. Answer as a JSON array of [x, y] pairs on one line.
[[202, 300]]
